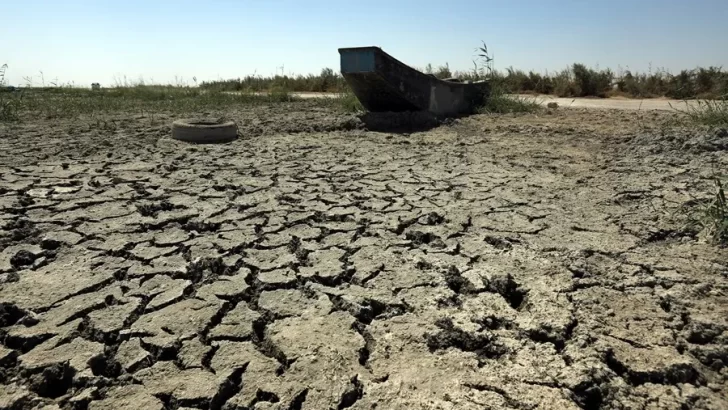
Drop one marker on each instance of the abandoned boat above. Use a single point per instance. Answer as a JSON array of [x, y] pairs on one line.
[[383, 83]]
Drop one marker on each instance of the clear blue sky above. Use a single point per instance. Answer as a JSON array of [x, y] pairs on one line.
[[86, 41]]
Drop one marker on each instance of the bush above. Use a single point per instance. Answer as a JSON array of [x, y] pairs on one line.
[[348, 102], [591, 82], [564, 85], [711, 215], [326, 81], [66, 102], [499, 102], [11, 99], [708, 112]]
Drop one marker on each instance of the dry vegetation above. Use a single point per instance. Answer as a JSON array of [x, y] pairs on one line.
[[575, 81]]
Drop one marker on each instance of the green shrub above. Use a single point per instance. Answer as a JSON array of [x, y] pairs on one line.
[[348, 102], [11, 99], [279, 93], [708, 112], [711, 216], [591, 82], [500, 102], [564, 85]]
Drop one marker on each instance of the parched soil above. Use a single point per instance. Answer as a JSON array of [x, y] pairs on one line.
[[492, 262]]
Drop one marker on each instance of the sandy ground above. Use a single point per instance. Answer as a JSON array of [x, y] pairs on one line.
[[647, 104], [616, 103], [497, 262]]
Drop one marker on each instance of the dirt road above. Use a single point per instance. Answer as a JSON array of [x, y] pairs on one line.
[[531, 262], [647, 104]]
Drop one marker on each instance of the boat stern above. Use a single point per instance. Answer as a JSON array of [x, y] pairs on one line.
[[358, 60]]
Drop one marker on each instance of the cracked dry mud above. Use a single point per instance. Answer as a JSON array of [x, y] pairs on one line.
[[524, 262]]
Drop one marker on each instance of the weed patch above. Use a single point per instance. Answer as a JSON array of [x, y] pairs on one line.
[[500, 103], [708, 112], [348, 102], [67, 102], [711, 215], [11, 99]]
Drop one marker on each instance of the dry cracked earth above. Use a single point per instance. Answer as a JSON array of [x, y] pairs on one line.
[[492, 262]]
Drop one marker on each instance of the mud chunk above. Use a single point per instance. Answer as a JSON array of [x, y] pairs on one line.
[[474, 281], [180, 320], [457, 282], [270, 259], [261, 372], [433, 218], [53, 240], [130, 397], [7, 356], [22, 258], [406, 277], [340, 239], [703, 333], [149, 252], [231, 240], [292, 302], [655, 396], [52, 381], [634, 315], [713, 356], [76, 353], [658, 365], [326, 265], [10, 314], [82, 399], [425, 298], [321, 336], [352, 394], [114, 243], [171, 236], [73, 308], [112, 318], [131, 355], [301, 231], [58, 280], [13, 397], [192, 353], [175, 264], [510, 222], [484, 345], [225, 287], [506, 286], [19, 256], [162, 289], [237, 324], [21, 230], [277, 278], [369, 261], [419, 238], [546, 317], [187, 386], [364, 304]]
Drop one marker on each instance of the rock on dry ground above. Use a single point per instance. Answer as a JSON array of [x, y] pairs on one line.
[[501, 262]]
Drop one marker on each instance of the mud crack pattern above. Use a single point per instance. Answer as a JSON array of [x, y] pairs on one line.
[[494, 262]]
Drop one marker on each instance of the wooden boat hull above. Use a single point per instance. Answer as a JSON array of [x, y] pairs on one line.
[[383, 83]]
